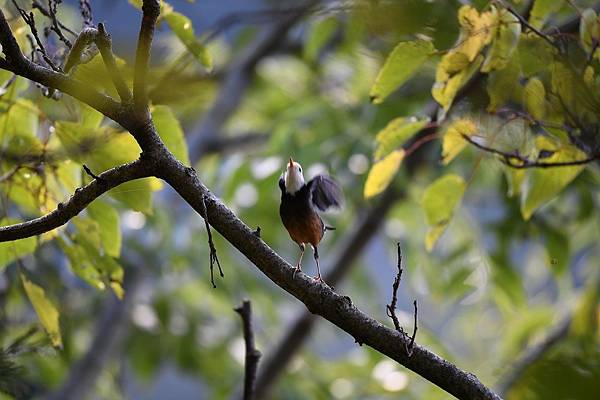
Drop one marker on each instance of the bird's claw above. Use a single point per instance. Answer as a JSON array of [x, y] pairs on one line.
[[319, 279], [297, 269]]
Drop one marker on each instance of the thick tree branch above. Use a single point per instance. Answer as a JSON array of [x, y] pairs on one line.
[[78, 201], [151, 11], [319, 299], [252, 354]]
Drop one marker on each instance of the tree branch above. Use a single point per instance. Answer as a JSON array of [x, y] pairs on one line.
[[78, 201], [151, 11], [104, 43], [318, 298], [518, 161], [252, 354]]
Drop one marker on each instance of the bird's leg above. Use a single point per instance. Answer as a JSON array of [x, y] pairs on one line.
[[316, 254], [298, 267]]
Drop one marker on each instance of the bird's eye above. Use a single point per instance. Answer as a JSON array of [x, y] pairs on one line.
[[300, 169]]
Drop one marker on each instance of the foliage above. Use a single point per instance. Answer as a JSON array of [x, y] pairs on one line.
[[495, 253]]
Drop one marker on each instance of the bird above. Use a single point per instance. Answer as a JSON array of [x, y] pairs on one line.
[[300, 202]]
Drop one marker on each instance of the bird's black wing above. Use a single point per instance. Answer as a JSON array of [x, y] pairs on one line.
[[282, 184], [325, 192]]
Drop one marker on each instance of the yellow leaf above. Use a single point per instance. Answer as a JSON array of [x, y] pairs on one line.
[[432, 236], [534, 98], [453, 142], [542, 9], [504, 43], [476, 30], [47, 313], [448, 81], [382, 173]]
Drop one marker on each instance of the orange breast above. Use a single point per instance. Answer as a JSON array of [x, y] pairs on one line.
[[305, 229]]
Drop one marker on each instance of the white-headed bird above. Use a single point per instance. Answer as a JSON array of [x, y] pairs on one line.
[[299, 204]]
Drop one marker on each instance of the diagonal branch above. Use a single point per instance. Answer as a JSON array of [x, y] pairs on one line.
[[319, 299], [78, 201], [252, 354], [151, 11]]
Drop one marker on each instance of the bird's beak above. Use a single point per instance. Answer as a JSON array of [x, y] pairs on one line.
[[291, 165]]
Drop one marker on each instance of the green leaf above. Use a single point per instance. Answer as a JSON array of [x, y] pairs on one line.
[[320, 33], [183, 29], [504, 43], [108, 222], [453, 142], [90, 118], [535, 54], [102, 149], [46, 311], [397, 131], [514, 179], [589, 29], [402, 63], [10, 251], [557, 249], [170, 132], [382, 173], [534, 98], [542, 9], [439, 201], [543, 184], [501, 84]]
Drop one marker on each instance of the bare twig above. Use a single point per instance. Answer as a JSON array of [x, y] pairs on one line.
[[30, 20], [252, 354], [55, 27], [213, 251], [526, 24], [391, 308], [36, 4], [151, 11], [90, 173], [517, 161], [86, 13]]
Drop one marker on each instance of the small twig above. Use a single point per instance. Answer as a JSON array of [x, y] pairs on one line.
[[252, 354], [36, 4], [86, 13], [515, 160], [55, 27], [526, 24], [213, 251], [29, 20], [391, 309], [257, 231], [91, 174]]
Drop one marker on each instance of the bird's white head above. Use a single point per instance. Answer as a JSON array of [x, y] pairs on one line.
[[294, 180]]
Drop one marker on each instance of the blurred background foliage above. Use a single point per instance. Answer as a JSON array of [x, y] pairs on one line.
[[506, 291]]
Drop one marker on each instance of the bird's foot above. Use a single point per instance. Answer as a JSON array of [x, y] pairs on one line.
[[297, 269], [319, 279]]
